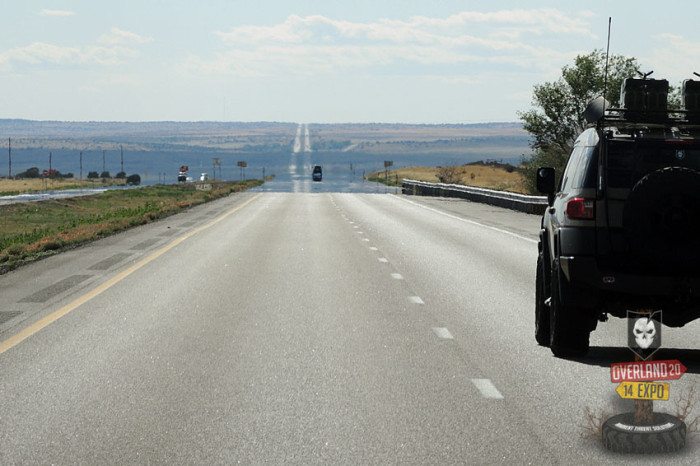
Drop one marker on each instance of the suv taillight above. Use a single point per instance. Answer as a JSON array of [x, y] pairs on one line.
[[580, 209]]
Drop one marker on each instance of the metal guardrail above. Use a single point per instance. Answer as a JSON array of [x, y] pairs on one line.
[[520, 202]]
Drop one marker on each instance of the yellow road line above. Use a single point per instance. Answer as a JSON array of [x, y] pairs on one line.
[[54, 316]]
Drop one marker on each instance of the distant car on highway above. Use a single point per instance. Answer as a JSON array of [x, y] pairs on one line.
[[182, 174], [317, 174], [621, 230]]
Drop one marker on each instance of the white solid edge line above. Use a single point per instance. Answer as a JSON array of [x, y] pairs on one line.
[[472, 222], [487, 389]]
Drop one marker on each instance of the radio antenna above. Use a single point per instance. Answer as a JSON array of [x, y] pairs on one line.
[[607, 57]]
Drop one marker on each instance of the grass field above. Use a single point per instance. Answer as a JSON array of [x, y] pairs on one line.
[[9, 187], [32, 230], [494, 176]]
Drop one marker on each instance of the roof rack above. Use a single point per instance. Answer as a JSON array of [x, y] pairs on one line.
[[644, 99], [690, 98]]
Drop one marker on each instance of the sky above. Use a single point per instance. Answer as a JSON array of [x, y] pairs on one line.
[[322, 61]]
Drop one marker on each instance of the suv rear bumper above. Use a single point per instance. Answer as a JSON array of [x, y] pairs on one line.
[[614, 291]]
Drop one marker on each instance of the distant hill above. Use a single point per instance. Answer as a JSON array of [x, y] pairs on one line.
[[269, 137]]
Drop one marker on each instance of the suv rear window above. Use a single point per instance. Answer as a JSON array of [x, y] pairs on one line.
[[581, 169], [630, 161]]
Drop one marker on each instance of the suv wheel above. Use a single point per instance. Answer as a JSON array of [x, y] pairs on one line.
[[568, 328], [541, 309]]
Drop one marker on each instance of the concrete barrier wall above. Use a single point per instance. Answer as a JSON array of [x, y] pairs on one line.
[[520, 202]]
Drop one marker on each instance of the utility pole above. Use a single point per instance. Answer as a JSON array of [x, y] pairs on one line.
[[81, 165], [103, 161], [9, 155], [121, 148]]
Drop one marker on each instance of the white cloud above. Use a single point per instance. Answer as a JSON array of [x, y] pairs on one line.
[[675, 58], [40, 52], [317, 44], [112, 49], [118, 36], [419, 29], [56, 13]]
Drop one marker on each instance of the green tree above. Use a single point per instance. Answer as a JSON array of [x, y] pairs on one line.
[[133, 180], [30, 173], [557, 118], [93, 175]]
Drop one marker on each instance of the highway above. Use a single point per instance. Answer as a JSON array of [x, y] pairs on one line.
[[304, 328], [298, 147]]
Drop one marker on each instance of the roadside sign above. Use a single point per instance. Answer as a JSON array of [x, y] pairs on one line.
[[644, 390], [644, 371]]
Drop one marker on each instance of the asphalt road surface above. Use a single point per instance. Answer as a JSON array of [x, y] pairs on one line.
[[311, 328]]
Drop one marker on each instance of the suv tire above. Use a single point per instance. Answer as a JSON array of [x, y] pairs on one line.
[[541, 309], [569, 330]]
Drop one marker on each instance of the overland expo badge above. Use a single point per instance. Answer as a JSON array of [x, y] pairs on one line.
[[644, 333]]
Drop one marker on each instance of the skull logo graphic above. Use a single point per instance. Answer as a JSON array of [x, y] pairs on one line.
[[644, 332]]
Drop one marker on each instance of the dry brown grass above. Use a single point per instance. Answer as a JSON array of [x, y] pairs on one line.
[[481, 176], [32, 230], [684, 403], [592, 426], [40, 184]]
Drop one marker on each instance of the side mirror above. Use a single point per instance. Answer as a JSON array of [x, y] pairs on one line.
[[545, 182]]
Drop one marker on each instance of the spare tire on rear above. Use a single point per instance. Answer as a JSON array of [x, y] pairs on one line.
[[662, 218]]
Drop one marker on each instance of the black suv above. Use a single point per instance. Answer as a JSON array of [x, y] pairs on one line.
[[622, 230]]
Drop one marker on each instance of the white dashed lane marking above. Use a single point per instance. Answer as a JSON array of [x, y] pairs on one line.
[[372, 248], [397, 276], [383, 260], [442, 333], [487, 389], [415, 300]]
